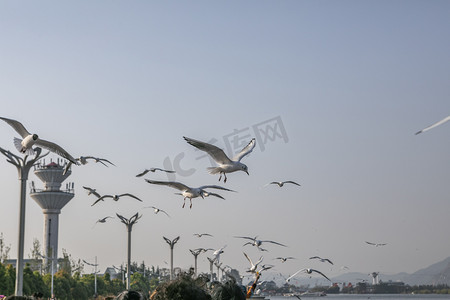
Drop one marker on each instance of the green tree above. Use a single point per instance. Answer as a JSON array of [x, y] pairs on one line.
[[4, 249]]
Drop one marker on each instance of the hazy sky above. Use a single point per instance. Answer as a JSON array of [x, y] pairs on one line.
[[350, 82]]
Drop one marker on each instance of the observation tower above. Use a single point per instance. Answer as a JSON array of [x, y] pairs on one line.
[[51, 199]]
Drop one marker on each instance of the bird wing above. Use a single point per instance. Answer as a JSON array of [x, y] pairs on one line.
[[215, 187], [215, 152], [274, 243], [177, 185], [313, 257], [293, 182], [162, 170], [143, 173], [249, 259], [164, 212], [104, 159], [129, 195], [326, 259], [101, 199], [434, 125], [370, 243], [57, 149], [320, 274], [246, 150], [293, 275], [17, 126], [216, 195]]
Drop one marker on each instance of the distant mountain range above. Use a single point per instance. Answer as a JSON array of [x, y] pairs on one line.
[[438, 273]]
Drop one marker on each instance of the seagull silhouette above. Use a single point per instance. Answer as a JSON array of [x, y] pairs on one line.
[[102, 220], [226, 165], [91, 191], [153, 170], [282, 183], [188, 192], [284, 259], [25, 145], [321, 259], [376, 244], [115, 197], [202, 234], [257, 243], [157, 210], [308, 271]]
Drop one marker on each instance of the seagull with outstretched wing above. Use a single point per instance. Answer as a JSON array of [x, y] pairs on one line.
[[282, 183], [308, 271], [226, 165], [25, 145], [115, 197], [188, 192], [153, 170]]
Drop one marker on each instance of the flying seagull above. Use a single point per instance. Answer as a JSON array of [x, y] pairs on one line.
[[202, 234], [321, 259], [115, 197], [216, 253], [308, 271], [102, 220], [284, 259], [253, 266], [188, 192], [375, 244], [153, 170], [226, 165], [434, 125], [84, 160], [258, 243], [91, 191], [281, 183], [157, 210], [25, 144]]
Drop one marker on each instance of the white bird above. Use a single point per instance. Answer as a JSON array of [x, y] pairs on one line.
[[308, 271], [322, 259], [91, 191], [153, 170], [434, 125], [226, 165], [257, 243], [202, 234], [25, 145], [115, 197], [281, 183], [188, 192], [284, 259], [253, 266], [216, 253], [157, 210], [376, 244]]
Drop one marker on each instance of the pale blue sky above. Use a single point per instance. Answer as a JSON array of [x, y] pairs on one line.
[[351, 81]]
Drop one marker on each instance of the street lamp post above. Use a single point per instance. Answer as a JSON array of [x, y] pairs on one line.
[[196, 253], [171, 244], [23, 167], [95, 274], [53, 270], [211, 263], [129, 223]]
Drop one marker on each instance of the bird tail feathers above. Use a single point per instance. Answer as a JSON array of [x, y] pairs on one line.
[[18, 145], [214, 170]]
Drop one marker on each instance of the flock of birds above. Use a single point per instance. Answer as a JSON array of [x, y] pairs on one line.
[[225, 165]]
